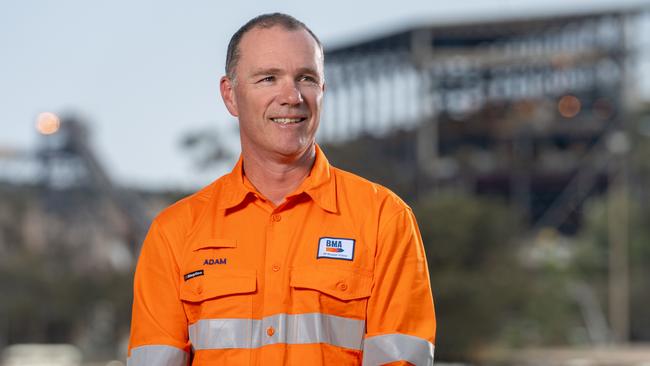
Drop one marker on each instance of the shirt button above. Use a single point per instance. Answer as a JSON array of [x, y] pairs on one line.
[[270, 331], [343, 286], [275, 267], [276, 217]]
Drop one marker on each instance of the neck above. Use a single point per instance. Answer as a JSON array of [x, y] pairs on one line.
[[276, 178]]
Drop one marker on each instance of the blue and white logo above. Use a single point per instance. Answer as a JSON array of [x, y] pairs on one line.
[[336, 248]]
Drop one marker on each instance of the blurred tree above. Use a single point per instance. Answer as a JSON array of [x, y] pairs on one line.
[[472, 262], [46, 300], [592, 256], [485, 298], [206, 147]]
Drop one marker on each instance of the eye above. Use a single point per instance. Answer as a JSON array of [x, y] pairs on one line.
[[266, 79], [308, 78]]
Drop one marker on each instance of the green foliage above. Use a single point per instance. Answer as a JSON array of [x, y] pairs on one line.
[[472, 262], [47, 301], [593, 255], [481, 231], [484, 297]]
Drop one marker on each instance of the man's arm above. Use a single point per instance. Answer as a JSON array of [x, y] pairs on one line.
[[159, 325], [400, 321]]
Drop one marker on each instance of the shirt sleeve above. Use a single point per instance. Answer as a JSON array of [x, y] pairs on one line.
[[159, 334], [400, 322]]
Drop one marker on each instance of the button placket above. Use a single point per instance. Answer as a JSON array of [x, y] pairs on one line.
[[274, 261]]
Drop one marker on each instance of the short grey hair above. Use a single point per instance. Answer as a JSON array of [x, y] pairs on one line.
[[263, 21]]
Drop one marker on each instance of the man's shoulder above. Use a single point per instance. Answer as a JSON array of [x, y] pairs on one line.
[[362, 190], [186, 210]]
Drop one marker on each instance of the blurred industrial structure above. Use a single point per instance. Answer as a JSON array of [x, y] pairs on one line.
[[532, 109], [73, 199], [69, 164]]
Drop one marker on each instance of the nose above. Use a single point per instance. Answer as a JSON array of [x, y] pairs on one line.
[[290, 94]]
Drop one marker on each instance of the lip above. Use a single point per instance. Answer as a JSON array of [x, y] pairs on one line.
[[297, 115], [300, 119]]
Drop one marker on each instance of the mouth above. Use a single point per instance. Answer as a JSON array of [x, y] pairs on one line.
[[288, 121]]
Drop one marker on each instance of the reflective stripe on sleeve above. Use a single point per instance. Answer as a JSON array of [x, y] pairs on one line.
[[386, 348], [281, 328], [158, 355]]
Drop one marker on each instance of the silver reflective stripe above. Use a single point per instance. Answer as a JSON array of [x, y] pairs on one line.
[[386, 348], [158, 355], [287, 328]]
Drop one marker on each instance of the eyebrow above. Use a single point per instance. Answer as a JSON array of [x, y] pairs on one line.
[[269, 71], [277, 71], [308, 70]]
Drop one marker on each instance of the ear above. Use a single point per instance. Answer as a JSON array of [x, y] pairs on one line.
[[227, 88]]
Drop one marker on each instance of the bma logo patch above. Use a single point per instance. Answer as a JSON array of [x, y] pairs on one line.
[[210, 261], [336, 248]]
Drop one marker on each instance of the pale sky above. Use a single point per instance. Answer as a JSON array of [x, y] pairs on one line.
[[143, 73]]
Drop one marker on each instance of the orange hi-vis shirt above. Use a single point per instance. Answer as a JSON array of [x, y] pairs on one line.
[[335, 275]]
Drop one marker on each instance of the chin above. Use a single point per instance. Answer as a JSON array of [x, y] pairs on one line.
[[293, 148]]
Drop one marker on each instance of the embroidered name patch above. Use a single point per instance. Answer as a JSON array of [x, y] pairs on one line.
[[336, 248], [210, 261], [193, 274]]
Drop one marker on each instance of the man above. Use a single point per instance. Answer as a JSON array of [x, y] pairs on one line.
[[286, 260]]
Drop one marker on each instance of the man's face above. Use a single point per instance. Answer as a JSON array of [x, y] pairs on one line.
[[278, 91]]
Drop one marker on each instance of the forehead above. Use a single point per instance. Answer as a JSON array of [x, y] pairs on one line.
[[279, 47]]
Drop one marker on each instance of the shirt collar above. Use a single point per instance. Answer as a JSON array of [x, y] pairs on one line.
[[234, 188], [320, 185]]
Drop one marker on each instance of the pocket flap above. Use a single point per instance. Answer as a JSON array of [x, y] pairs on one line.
[[342, 284], [218, 283], [214, 243]]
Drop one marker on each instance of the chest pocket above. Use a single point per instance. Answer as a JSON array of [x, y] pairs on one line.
[[331, 290], [216, 289]]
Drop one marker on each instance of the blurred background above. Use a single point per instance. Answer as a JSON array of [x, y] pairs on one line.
[[517, 130]]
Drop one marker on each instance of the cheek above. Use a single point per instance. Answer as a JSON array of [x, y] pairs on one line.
[[314, 97], [263, 101], [252, 107]]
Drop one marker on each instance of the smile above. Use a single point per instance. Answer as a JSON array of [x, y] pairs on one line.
[[287, 121]]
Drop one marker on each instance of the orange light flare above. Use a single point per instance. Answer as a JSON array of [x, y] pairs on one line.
[[569, 106], [47, 123]]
